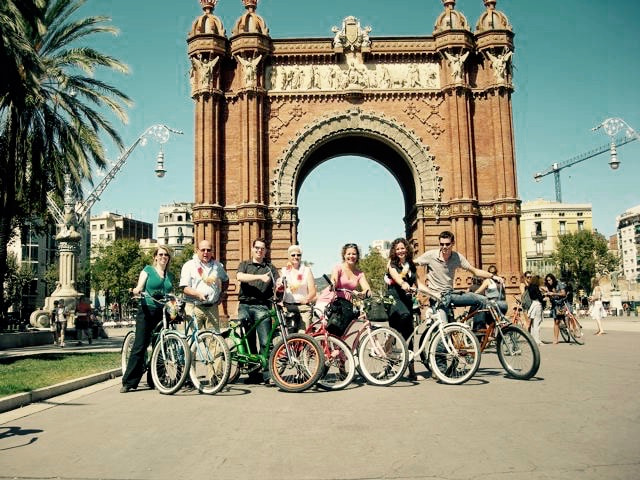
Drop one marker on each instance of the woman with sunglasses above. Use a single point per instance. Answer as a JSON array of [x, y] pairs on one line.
[[300, 289], [155, 281]]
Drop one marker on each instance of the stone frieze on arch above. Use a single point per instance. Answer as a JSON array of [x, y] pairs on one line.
[[352, 73]]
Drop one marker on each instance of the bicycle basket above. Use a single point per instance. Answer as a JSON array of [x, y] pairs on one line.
[[339, 314], [378, 307]]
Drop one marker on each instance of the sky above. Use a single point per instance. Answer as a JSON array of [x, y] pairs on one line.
[[576, 64]]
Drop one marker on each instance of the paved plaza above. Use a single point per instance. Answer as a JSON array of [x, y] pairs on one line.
[[579, 418]]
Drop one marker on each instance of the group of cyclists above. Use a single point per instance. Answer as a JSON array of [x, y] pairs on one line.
[[204, 280]]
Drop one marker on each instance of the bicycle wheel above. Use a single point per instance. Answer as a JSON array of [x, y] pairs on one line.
[[575, 330], [300, 371], [564, 331], [340, 364], [454, 355], [125, 352], [382, 356], [210, 363], [170, 362], [518, 353]]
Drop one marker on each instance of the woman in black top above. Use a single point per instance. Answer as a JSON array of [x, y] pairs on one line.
[[401, 282]]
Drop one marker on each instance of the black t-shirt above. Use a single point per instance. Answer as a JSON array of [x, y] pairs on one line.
[[256, 292]]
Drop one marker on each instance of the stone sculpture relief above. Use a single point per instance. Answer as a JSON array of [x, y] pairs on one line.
[[249, 68], [202, 69], [500, 63], [353, 74], [456, 62]]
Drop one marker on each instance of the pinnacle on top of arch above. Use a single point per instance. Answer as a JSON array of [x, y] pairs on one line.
[[250, 21], [492, 19], [207, 22], [450, 19]]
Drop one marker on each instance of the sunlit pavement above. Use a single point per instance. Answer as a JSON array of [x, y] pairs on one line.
[[578, 418]]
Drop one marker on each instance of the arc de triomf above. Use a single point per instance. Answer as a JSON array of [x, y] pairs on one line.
[[435, 110]]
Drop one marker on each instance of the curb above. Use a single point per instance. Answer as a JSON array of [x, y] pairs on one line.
[[22, 399]]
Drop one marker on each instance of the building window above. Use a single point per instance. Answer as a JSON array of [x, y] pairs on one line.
[[537, 215], [179, 218], [580, 225], [539, 249], [166, 231], [102, 226], [538, 228], [563, 227], [579, 214]]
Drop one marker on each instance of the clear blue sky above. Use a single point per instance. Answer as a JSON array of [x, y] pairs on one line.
[[576, 63]]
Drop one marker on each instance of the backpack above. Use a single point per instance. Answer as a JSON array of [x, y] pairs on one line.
[[526, 300]]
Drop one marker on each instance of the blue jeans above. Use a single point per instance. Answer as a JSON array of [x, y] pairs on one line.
[[466, 299], [250, 315]]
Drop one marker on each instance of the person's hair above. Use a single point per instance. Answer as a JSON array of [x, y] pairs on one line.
[[524, 275], [259, 239], [447, 234], [554, 281], [294, 248], [535, 280], [155, 254], [493, 270], [392, 251], [348, 246]]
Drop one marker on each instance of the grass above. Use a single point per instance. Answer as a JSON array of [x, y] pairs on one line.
[[19, 375]]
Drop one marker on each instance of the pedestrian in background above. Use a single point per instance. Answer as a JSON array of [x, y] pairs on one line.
[[535, 309], [597, 309]]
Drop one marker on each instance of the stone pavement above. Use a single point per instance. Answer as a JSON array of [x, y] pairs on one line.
[[579, 418]]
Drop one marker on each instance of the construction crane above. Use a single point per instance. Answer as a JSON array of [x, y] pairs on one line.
[[557, 167]]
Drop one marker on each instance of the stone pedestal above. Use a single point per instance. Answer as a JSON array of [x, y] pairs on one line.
[[615, 302]]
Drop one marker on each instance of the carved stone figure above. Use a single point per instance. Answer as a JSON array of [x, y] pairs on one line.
[[204, 69], [414, 76], [499, 64], [385, 78], [456, 62], [249, 67]]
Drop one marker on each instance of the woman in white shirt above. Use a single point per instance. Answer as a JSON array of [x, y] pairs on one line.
[[597, 309], [300, 289]]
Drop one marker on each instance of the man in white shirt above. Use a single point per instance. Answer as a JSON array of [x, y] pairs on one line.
[[204, 280]]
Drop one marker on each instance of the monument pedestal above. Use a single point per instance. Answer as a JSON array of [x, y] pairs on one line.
[[615, 302]]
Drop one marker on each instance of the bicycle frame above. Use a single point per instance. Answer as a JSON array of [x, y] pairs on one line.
[[437, 320]]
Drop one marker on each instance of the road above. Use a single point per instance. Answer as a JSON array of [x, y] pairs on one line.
[[579, 418]]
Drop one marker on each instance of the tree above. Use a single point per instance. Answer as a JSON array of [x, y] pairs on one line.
[[374, 267], [50, 109], [116, 268], [579, 256], [178, 261], [18, 277]]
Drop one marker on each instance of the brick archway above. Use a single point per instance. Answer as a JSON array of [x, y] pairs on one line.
[[435, 110]]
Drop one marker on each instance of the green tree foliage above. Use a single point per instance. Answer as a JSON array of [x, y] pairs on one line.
[[116, 268], [178, 260], [51, 107], [18, 277], [579, 256], [374, 267]]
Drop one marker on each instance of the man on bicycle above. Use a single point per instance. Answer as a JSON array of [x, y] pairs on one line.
[[256, 290], [204, 280], [441, 264]]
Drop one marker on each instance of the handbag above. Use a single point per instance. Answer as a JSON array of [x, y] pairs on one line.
[[339, 314], [377, 307]]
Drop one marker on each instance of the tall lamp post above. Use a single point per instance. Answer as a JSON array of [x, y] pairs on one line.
[[613, 126], [74, 212]]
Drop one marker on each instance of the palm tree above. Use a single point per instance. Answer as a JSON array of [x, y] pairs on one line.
[[52, 111]]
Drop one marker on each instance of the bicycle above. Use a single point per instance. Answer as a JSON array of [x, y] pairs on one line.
[[518, 353], [448, 349], [295, 362], [570, 328], [380, 353], [518, 316], [210, 364]]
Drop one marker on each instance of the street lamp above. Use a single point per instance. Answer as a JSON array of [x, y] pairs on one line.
[[612, 126], [74, 212]]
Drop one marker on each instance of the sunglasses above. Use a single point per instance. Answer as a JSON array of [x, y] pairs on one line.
[[205, 249], [296, 254], [162, 255], [445, 244]]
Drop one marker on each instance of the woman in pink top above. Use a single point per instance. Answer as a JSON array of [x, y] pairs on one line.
[[347, 275]]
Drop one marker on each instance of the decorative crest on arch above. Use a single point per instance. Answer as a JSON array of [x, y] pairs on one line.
[[351, 37], [427, 182]]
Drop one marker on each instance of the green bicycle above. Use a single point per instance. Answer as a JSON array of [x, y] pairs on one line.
[[296, 361]]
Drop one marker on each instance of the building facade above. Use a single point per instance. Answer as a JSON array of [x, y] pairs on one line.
[[107, 227], [434, 110], [175, 225], [628, 233], [541, 223]]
